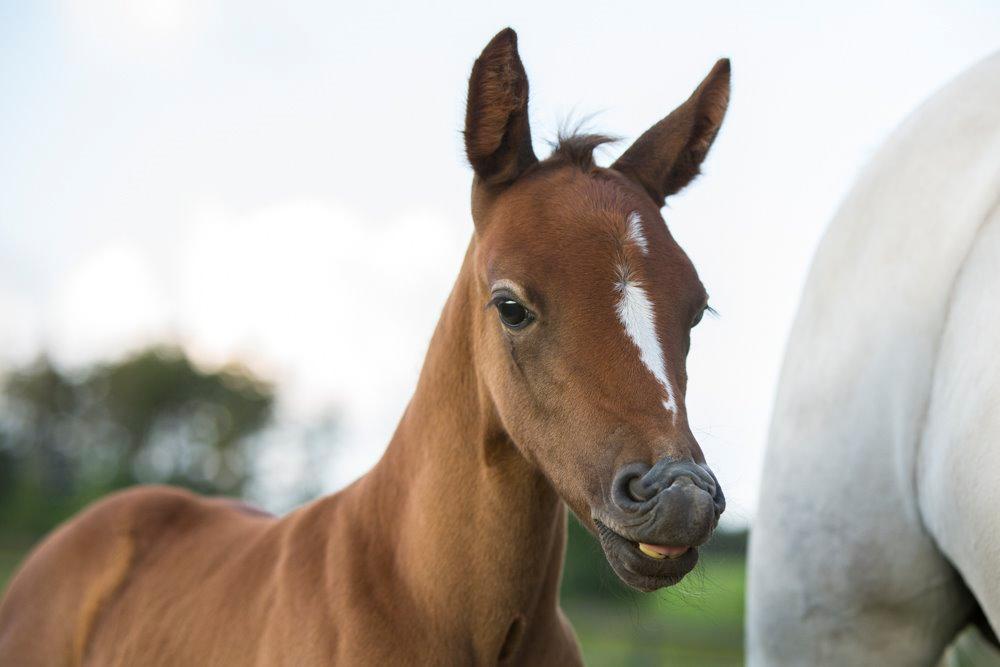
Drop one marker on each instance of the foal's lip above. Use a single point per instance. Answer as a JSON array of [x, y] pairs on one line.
[[659, 552]]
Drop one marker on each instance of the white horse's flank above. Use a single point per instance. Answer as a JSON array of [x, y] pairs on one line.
[[878, 531]]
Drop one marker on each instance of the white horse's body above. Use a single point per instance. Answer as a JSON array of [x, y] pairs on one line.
[[880, 504]]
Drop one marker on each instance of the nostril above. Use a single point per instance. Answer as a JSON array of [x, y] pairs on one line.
[[639, 491], [629, 490]]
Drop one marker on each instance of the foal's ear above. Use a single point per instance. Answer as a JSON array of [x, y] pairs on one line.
[[497, 136], [669, 155]]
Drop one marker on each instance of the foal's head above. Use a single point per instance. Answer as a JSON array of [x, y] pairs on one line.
[[586, 305]]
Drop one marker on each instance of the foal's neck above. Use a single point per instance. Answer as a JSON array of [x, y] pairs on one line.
[[479, 532]]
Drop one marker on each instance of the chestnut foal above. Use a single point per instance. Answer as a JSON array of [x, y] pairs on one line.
[[556, 373]]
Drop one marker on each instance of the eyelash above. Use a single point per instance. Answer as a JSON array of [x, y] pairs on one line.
[[707, 309]]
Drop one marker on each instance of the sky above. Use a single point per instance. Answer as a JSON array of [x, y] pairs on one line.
[[284, 183]]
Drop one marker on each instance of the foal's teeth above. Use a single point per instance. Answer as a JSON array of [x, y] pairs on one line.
[[661, 552], [646, 549]]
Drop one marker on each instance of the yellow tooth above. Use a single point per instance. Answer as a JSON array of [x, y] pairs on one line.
[[649, 552]]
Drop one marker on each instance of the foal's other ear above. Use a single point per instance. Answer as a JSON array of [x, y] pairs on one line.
[[668, 155], [497, 136]]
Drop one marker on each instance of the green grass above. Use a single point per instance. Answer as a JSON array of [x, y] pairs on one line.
[[699, 622], [971, 650]]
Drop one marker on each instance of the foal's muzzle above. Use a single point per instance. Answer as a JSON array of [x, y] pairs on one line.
[[676, 503], [657, 518]]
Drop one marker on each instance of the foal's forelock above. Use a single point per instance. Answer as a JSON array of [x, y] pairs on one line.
[[636, 311]]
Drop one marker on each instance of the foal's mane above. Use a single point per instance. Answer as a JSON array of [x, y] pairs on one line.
[[577, 148]]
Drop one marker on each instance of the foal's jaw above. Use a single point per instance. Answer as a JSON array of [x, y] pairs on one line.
[[588, 306]]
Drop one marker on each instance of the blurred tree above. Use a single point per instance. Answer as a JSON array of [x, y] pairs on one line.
[[152, 417], [183, 425], [42, 396]]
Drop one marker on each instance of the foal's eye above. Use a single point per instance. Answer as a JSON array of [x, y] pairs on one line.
[[513, 314]]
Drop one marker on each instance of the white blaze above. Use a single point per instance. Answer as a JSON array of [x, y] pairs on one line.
[[635, 311], [634, 233]]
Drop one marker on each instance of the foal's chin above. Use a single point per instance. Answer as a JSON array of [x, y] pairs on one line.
[[639, 570]]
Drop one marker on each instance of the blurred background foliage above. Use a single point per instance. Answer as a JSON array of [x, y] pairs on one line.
[[67, 438]]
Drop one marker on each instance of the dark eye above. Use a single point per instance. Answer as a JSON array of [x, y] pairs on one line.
[[697, 318], [513, 314]]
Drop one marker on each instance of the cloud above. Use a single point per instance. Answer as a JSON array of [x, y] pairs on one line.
[[338, 308], [134, 25], [109, 304]]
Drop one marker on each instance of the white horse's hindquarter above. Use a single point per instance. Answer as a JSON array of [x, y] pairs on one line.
[[843, 568], [959, 463]]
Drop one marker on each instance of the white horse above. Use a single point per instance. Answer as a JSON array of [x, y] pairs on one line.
[[878, 532]]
